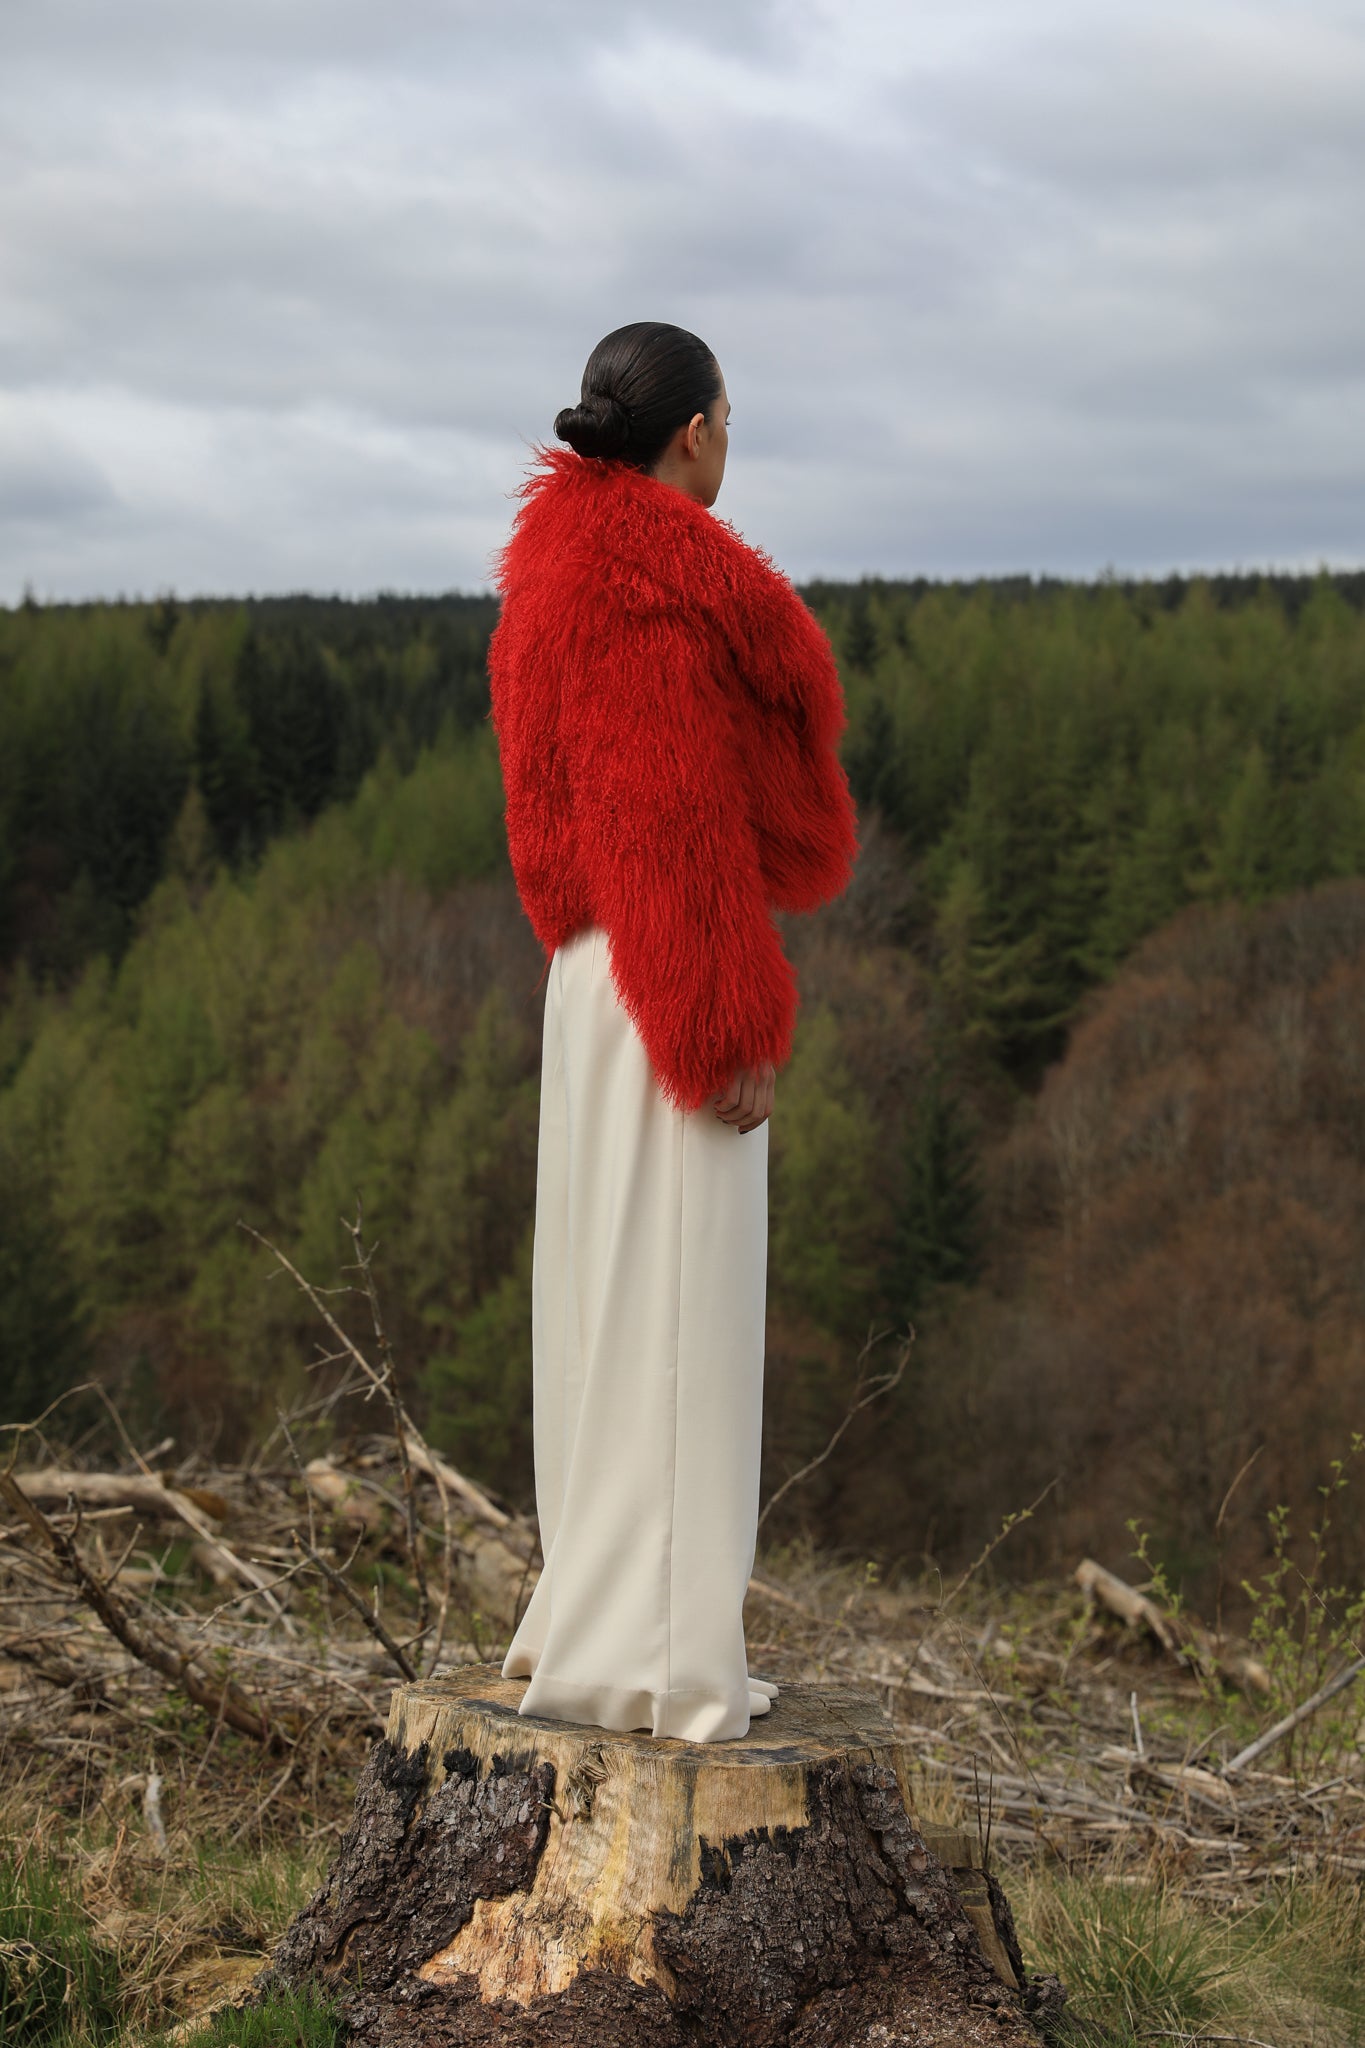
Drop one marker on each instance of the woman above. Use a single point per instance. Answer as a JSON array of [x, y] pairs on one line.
[[667, 712]]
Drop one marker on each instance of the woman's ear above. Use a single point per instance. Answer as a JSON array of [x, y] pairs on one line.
[[694, 427]]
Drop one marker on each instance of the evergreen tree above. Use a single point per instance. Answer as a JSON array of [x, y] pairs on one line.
[[479, 1392], [45, 1342], [1249, 848], [823, 1213], [161, 623], [990, 981], [295, 717], [875, 761], [1148, 880], [936, 1240], [226, 770]]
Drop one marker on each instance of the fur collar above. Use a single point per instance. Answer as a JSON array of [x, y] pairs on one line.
[[648, 539]]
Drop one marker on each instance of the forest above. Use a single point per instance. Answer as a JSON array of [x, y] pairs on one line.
[[1078, 1091]]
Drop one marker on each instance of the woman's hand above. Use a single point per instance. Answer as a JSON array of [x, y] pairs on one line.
[[748, 1101]]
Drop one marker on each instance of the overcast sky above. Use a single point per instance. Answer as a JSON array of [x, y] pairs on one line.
[[288, 288]]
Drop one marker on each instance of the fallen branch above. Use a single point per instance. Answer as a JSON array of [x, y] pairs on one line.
[[1291, 1721], [1185, 1641], [170, 1660], [472, 1497], [353, 1599], [151, 1497], [147, 1495], [39, 1655], [1126, 1602]]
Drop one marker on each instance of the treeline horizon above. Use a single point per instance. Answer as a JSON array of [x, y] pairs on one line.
[[260, 950], [1228, 586]]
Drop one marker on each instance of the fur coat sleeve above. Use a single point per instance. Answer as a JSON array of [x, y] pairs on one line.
[[667, 712]]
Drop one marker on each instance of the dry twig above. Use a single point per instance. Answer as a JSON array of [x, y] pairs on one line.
[[865, 1391], [169, 1658], [406, 1434]]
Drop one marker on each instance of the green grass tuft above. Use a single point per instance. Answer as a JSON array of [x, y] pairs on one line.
[[1140, 1962], [1133, 1958], [285, 2019], [58, 1983]]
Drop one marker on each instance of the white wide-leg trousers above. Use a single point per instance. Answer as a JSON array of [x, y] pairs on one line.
[[649, 1287]]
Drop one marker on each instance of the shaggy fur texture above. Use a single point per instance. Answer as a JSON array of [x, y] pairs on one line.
[[667, 712]]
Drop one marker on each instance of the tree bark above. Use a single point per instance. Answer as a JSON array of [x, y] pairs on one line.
[[516, 1879]]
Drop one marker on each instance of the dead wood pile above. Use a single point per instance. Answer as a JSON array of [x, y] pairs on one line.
[[285, 1605]]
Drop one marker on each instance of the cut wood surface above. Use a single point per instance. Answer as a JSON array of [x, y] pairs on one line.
[[516, 1878]]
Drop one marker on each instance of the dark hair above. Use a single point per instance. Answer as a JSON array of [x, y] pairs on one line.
[[641, 384]]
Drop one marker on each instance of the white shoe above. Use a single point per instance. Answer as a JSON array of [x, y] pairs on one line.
[[759, 1703], [764, 1685]]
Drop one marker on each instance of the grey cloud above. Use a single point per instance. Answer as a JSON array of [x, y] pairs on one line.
[[45, 480], [299, 284], [1171, 98]]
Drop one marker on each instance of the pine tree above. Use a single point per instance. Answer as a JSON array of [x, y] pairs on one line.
[[45, 1343], [989, 979], [937, 1237], [823, 1210], [225, 770], [875, 759]]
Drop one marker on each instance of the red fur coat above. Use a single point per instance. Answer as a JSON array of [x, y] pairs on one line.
[[666, 710]]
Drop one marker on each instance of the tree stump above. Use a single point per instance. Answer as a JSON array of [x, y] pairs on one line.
[[516, 1879]]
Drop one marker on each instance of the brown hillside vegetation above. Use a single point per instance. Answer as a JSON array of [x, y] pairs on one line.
[[1177, 1285]]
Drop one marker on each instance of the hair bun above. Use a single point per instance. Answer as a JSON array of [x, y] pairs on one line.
[[598, 425]]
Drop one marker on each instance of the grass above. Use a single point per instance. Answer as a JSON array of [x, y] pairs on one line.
[[104, 1940], [285, 2020], [58, 1981], [248, 1896], [1142, 1964]]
